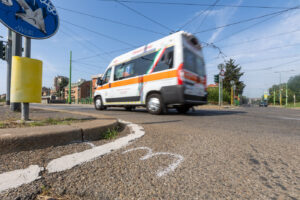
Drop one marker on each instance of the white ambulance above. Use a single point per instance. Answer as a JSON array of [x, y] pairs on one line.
[[167, 73]]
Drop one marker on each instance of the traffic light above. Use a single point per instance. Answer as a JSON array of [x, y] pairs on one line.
[[2, 50], [216, 78]]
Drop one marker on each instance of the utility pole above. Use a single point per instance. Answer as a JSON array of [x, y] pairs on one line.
[[16, 51], [286, 94], [25, 105], [294, 100], [280, 94], [70, 79], [274, 97], [8, 60]]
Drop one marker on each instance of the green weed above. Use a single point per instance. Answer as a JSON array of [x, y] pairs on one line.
[[110, 134]]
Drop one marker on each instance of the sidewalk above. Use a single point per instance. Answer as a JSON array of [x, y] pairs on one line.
[[91, 127]]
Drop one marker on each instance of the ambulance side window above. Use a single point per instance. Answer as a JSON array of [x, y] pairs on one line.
[[125, 70], [106, 76], [166, 60]]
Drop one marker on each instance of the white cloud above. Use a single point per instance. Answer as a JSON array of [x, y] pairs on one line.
[[222, 16], [247, 53]]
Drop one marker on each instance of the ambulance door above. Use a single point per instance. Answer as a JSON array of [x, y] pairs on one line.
[[126, 90], [106, 85]]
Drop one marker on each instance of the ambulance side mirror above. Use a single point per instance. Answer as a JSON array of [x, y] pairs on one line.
[[99, 81]]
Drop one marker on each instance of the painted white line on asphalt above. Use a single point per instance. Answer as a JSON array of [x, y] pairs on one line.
[[289, 118], [149, 154], [90, 144], [13, 179], [19, 177], [69, 161]]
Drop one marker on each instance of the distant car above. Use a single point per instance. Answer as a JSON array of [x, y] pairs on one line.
[[263, 104]]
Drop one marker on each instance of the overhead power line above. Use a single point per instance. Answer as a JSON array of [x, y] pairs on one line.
[[144, 16], [262, 50], [247, 20], [261, 38], [109, 20], [194, 4], [98, 54], [198, 15], [98, 33], [276, 66], [247, 28]]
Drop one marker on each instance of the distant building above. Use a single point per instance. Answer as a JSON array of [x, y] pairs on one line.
[[3, 96], [94, 82], [213, 85], [79, 90], [46, 91], [59, 83]]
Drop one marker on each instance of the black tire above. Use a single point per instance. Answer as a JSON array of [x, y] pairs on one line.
[[183, 109], [155, 104], [98, 103]]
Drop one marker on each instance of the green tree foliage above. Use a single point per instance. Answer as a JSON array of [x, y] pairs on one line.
[[275, 88], [233, 72], [294, 86], [213, 95]]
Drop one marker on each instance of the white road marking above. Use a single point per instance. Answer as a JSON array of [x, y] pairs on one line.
[[69, 161], [90, 144], [149, 154], [16, 178], [289, 118], [19, 177]]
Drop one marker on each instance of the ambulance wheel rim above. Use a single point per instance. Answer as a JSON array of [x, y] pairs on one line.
[[154, 104]]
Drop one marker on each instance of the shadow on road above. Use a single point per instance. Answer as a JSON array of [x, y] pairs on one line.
[[162, 122], [214, 112]]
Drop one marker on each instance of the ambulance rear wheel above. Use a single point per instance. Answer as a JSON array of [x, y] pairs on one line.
[[155, 104], [99, 103]]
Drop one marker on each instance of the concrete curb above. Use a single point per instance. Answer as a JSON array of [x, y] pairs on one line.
[[29, 138]]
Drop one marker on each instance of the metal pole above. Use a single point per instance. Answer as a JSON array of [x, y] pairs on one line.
[[70, 79], [274, 93], [286, 94], [219, 90], [8, 59], [16, 51], [25, 105], [280, 90], [294, 100]]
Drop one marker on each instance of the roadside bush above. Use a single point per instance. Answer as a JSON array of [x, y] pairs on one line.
[[213, 95]]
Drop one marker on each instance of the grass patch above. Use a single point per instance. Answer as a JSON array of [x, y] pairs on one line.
[[110, 134], [51, 121], [46, 122]]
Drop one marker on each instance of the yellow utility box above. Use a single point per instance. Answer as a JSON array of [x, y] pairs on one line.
[[26, 80]]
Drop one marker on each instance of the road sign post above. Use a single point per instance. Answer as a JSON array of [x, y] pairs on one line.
[[35, 19], [70, 80], [8, 60], [25, 105], [16, 51]]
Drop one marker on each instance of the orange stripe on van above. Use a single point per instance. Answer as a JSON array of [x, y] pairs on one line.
[[161, 75], [145, 78]]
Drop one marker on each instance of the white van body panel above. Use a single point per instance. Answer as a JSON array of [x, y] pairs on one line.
[[134, 90]]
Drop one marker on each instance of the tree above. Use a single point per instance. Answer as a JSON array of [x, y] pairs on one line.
[[233, 72], [294, 86]]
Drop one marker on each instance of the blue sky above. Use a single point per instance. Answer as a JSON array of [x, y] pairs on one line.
[[252, 48]]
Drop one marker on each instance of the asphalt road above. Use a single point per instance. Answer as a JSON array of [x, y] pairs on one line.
[[245, 153]]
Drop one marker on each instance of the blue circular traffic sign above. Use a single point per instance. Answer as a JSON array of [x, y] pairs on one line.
[[37, 19]]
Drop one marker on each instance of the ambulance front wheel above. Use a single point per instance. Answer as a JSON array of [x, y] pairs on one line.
[[99, 104], [155, 104]]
